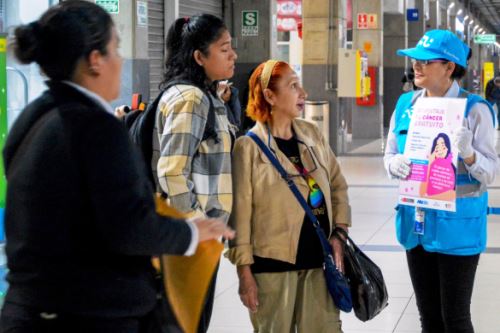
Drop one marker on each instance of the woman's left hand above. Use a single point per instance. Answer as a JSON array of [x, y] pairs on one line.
[[463, 141]]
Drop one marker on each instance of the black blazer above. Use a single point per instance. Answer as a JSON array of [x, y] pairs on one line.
[[80, 219]]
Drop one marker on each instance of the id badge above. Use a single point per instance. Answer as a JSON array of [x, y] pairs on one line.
[[419, 226]]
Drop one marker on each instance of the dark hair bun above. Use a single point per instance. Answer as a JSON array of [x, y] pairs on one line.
[[26, 42]]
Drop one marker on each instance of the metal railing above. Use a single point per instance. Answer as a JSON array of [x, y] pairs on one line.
[[25, 82]]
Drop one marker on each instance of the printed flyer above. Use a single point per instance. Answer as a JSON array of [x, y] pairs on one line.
[[431, 183]]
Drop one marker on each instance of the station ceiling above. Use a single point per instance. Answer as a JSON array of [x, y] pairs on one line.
[[487, 12]]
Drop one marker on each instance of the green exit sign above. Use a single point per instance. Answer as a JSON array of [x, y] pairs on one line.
[[485, 39], [111, 6], [250, 23]]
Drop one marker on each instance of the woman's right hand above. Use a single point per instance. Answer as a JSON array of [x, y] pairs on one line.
[[212, 229], [248, 288]]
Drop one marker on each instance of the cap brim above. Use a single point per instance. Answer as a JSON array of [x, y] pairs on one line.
[[423, 54], [419, 54]]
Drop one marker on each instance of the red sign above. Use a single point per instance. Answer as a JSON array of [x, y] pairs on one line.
[[290, 8], [367, 21], [372, 21], [362, 21], [289, 15], [288, 23]]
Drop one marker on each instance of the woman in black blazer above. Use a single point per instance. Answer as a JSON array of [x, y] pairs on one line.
[[80, 219]]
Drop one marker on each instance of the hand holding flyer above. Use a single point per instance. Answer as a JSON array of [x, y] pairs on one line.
[[463, 141], [431, 183]]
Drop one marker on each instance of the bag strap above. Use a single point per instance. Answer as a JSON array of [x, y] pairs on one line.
[[327, 249], [343, 236], [209, 130]]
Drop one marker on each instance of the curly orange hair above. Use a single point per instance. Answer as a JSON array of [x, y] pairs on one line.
[[258, 109]]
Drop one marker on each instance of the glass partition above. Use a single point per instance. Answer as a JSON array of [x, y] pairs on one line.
[[24, 82]]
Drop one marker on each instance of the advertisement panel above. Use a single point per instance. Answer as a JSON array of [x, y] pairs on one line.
[[488, 74], [3, 124], [430, 148]]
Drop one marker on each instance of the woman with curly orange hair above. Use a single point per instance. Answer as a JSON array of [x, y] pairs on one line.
[[276, 249]]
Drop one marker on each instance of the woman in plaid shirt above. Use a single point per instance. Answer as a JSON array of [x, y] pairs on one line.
[[191, 155]]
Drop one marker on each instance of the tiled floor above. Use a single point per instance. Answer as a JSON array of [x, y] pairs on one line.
[[373, 197]]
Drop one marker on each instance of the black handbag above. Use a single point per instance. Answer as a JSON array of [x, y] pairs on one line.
[[336, 282], [368, 290]]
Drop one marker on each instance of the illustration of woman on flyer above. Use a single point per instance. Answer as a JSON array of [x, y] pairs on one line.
[[441, 173]]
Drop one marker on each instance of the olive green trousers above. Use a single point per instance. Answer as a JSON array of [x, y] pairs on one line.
[[296, 301]]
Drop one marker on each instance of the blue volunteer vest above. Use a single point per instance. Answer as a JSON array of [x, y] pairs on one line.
[[457, 233]]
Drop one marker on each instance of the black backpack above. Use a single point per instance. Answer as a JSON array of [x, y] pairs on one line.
[[140, 125]]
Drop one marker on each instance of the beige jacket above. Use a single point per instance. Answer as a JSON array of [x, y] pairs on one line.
[[266, 215]]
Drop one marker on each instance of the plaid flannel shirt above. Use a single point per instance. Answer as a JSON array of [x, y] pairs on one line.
[[195, 173]]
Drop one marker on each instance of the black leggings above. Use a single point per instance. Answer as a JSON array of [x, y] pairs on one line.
[[443, 288]]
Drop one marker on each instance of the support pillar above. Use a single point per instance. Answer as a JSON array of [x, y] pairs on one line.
[[324, 28], [452, 23], [443, 15], [395, 38], [134, 50], [367, 121], [416, 29], [433, 22], [252, 49]]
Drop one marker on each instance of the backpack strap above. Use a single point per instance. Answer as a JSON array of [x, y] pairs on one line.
[[209, 131], [140, 125]]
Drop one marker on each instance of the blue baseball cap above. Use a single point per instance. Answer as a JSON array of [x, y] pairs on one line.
[[439, 44]]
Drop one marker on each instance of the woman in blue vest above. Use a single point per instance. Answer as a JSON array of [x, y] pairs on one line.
[[443, 260]]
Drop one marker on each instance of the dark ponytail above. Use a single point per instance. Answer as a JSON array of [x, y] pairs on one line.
[[26, 47], [65, 34], [185, 36], [174, 36]]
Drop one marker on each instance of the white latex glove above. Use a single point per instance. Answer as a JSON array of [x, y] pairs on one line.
[[399, 166], [463, 142]]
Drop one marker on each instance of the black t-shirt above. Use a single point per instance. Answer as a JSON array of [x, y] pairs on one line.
[[309, 252]]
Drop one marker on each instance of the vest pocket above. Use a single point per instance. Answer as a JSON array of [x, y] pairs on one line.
[[462, 232], [404, 226]]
